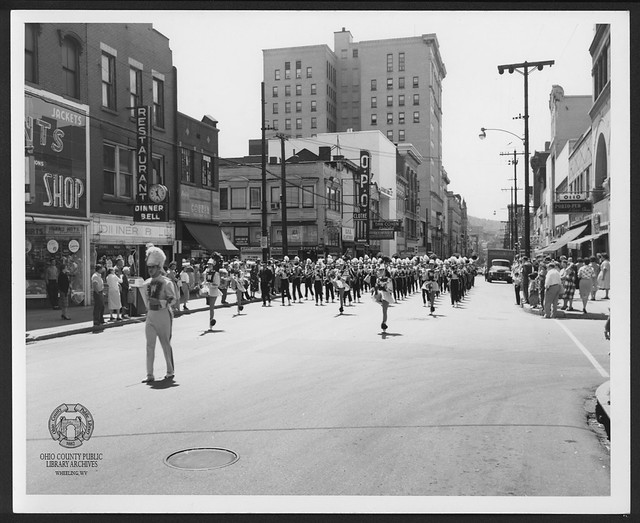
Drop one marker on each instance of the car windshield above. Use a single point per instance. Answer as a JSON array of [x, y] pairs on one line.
[[501, 263]]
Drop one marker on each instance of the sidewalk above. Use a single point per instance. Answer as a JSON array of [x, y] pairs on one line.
[[43, 324], [596, 310]]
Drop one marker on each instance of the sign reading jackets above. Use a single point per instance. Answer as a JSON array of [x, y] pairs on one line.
[[145, 210], [361, 214], [55, 156]]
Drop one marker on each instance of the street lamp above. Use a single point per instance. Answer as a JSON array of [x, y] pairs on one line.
[[526, 67]]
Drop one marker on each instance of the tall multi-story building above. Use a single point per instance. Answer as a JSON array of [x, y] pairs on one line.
[[391, 85]]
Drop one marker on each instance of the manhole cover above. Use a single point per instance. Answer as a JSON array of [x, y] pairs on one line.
[[201, 459]]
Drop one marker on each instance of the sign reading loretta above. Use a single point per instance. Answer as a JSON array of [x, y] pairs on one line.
[[361, 216]]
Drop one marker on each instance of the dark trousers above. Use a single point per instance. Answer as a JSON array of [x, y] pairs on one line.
[[98, 308], [317, 284], [297, 291], [517, 289], [308, 287], [328, 287], [265, 291], [52, 291]]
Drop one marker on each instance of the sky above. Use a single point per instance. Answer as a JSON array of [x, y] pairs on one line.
[[218, 55], [226, 82]]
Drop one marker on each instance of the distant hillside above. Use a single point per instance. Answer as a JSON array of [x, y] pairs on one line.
[[488, 226]]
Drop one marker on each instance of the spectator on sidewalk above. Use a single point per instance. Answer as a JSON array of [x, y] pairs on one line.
[[568, 276], [552, 289], [124, 291], [113, 286], [586, 278], [184, 286], [593, 261], [526, 269], [516, 271], [97, 288], [265, 275], [51, 274], [64, 288], [604, 276]]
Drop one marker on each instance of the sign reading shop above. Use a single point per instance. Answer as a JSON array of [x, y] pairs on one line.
[[151, 200], [56, 156]]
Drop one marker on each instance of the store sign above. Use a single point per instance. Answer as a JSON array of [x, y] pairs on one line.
[[150, 212], [348, 234], [395, 225], [571, 196], [571, 207], [143, 151], [195, 203], [107, 232], [56, 156], [361, 214], [382, 234]]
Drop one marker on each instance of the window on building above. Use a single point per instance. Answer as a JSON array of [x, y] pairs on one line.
[[374, 119], [416, 83], [158, 103], [355, 53], [298, 69], [400, 61], [298, 123], [117, 171], [374, 85], [343, 54], [276, 74], [70, 66], [274, 124], [135, 88], [390, 101], [416, 117], [186, 165], [309, 72], [157, 169], [287, 70], [207, 171], [287, 107], [275, 108], [108, 81], [390, 134], [287, 124], [600, 72], [275, 195], [416, 99], [314, 106], [389, 63], [374, 102], [389, 83], [255, 198], [31, 53], [298, 107], [401, 100], [224, 199], [401, 82], [293, 197], [401, 117], [389, 118], [308, 196], [401, 135], [238, 197], [298, 90], [287, 90], [314, 89], [274, 91], [314, 122]]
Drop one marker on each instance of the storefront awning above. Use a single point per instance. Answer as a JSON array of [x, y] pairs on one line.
[[567, 237], [212, 238], [576, 243]]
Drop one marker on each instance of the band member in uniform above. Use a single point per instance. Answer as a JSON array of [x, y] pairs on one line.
[[383, 292], [211, 282], [161, 297]]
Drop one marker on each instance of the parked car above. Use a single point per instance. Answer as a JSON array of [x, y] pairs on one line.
[[500, 270]]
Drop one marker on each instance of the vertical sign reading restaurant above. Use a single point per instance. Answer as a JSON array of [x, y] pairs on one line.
[[143, 152], [361, 216]]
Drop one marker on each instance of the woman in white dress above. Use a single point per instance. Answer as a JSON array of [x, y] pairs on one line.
[[113, 284]]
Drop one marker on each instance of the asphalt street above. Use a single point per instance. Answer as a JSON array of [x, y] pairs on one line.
[[478, 400]]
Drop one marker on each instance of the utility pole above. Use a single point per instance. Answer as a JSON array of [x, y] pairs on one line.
[[525, 72], [514, 202], [263, 239], [283, 196]]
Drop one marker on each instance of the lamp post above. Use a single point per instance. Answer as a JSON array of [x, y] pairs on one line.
[[526, 68]]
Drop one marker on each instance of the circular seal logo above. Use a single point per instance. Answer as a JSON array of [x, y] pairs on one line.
[[70, 425], [74, 245], [52, 246]]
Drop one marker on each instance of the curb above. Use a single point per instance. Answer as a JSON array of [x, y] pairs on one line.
[[110, 325], [568, 315]]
